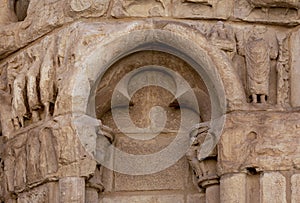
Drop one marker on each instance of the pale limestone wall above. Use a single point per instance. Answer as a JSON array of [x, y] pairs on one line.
[[72, 53]]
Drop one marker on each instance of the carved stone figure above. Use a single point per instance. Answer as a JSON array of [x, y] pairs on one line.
[[47, 80], [258, 68], [192, 153], [222, 36], [32, 90], [19, 101]]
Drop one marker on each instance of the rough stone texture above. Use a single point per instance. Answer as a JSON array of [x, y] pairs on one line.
[[196, 198], [276, 11], [48, 192], [273, 187], [295, 73], [91, 195], [60, 61], [72, 189], [174, 177], [145, 8], [233, 188], [145, 199], [269, 142], [295, 181]]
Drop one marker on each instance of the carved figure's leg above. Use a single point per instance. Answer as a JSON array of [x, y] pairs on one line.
[[254, 98], [263, 98]]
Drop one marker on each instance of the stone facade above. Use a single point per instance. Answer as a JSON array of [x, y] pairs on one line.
[[149, 101]]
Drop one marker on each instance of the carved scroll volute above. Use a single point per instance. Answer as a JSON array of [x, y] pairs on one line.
[[205, 170]]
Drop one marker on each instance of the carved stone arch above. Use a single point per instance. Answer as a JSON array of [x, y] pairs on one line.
[[213, 65], [171, 37]]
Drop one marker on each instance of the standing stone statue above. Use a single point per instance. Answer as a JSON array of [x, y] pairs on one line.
[[258, 68], [32, 90], [47, 80], [19, 101]]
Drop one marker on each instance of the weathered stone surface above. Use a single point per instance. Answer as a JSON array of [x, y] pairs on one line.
[[48, 192], [233, 188], [72, 189], [196, 198], [295, 73], [203, 9], [268, 142], [91, 195], [174, 177], [53, 56], [275, 11], [87, 8], [41, 19], [273, 187], [295, 182], [145, 8], [43, 153], [7, 14], [145, 199]]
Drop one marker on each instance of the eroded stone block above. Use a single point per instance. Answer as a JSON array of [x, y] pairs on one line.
[[273, 187], [72, 189], [295, 69], [138, 8], [233, 188], [145, 199]]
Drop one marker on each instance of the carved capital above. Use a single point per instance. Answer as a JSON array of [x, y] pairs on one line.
[[204, 169]]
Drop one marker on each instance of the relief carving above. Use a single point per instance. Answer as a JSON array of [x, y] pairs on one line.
[[257, 58], [204, 169], [202, 9], [278, 11], [6, 103], [204, 2], [34, 88], [283, 71], [140, 8], [223, 37], [88, 8], [7, 14], [33, 161], [257, 53], [48, 153], [275, 3]]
